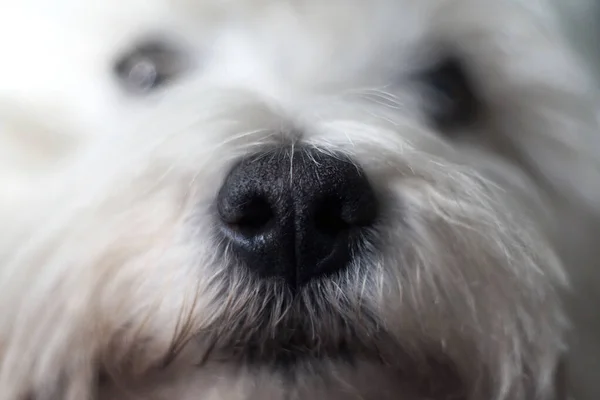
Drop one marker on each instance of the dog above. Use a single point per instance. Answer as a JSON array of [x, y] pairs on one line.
[[321, 199]]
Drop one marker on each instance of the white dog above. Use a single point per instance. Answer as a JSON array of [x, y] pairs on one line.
[[317, 199]]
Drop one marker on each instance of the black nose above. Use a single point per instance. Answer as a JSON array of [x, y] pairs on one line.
[[296, 215]]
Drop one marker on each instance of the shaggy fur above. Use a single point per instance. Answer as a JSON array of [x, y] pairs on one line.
[[112, 284]]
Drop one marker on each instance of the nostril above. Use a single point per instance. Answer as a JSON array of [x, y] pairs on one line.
[[249, 217], [257, 213], [328, 218], [362, 212]]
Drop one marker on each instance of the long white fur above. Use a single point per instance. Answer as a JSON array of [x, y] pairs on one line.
[[107, 261]]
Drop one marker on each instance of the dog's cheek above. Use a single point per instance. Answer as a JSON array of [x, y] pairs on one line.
[[32, 161], [88, 280], [560, 148], [467, 270]]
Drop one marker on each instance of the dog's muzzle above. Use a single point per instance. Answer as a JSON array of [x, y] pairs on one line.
[[296, 215]]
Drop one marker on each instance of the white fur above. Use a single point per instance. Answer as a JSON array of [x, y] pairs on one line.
[[107, 262]]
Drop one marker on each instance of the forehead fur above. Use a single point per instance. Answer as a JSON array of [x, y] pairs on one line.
[[61, 66], [326, 40]]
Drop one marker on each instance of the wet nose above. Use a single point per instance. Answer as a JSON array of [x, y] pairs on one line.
[[296, 215]]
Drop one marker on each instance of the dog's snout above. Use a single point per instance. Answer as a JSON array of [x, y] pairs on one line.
[[296, 215]]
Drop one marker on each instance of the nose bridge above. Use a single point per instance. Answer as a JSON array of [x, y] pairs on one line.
[[298, 180]]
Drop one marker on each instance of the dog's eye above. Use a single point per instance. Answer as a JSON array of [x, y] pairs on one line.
[[149, 66], [450, 99]]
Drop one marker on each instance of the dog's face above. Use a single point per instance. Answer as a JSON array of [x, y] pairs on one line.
[[317, 198]]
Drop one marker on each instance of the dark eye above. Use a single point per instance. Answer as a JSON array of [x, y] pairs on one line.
[[149, 66], [450, 99]]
